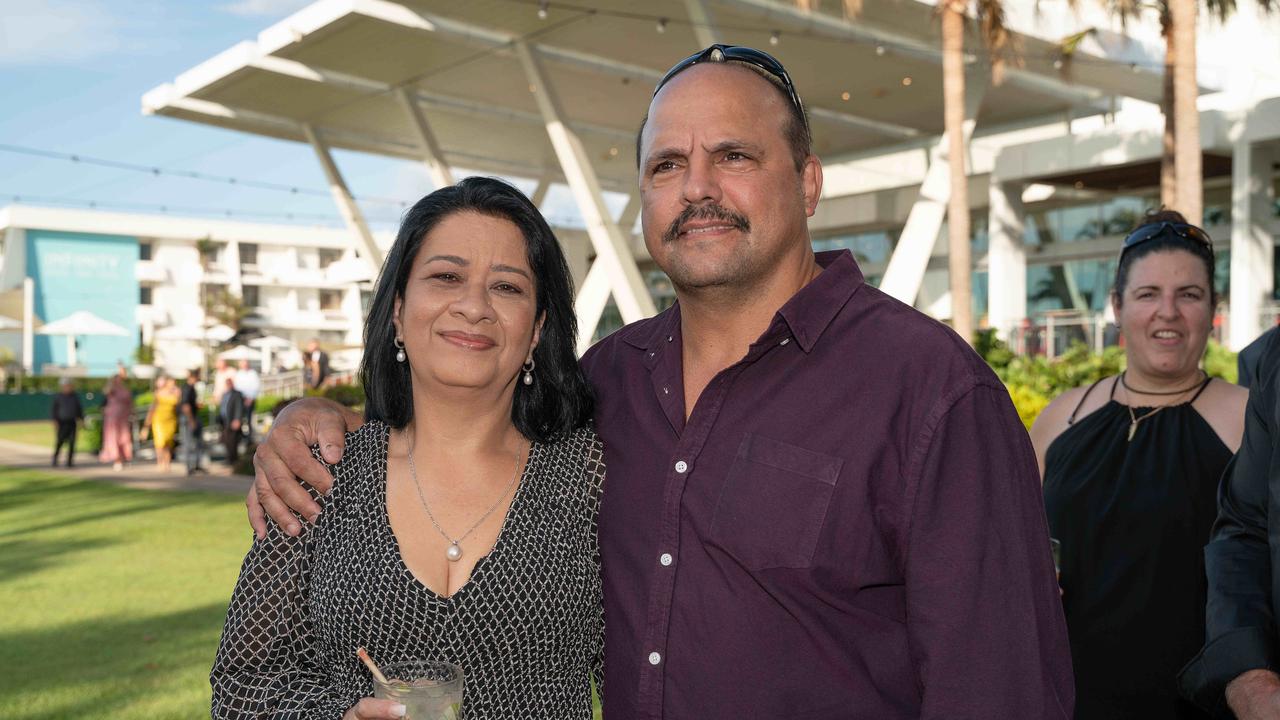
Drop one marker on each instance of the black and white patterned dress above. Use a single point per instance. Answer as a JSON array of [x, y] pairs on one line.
[[527, 627]]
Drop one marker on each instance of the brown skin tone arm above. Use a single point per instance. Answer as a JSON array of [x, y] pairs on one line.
[[1255, 695], [284, 460]]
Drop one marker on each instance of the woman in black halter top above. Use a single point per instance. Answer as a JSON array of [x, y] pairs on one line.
[[1131, 466]]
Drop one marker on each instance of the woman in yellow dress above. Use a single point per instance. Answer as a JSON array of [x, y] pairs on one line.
[[162, 420]]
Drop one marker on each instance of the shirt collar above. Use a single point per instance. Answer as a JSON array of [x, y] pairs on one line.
[[807, 314]]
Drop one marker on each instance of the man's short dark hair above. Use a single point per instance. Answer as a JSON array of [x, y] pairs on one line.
[[796, 130], [559, 401]]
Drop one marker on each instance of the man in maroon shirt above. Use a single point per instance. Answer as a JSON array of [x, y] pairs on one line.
[[820, 503]]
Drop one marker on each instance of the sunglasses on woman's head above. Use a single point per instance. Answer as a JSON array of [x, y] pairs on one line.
[[1156, 229], [739, 53]]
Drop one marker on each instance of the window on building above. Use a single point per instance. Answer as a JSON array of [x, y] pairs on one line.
[[144, 251], [251, 296], [330, 300], [329, 256], [248, 254], [144, 295]]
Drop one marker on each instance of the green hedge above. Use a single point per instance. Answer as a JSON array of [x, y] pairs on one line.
[[1033, 381]]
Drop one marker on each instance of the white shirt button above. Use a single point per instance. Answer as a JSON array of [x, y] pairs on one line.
[[665, 559], [654, 658], [682, 466]]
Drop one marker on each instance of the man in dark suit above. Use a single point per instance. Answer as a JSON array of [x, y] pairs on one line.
[[1236, 672], [67, 415], [231, 414], [1251, 356]]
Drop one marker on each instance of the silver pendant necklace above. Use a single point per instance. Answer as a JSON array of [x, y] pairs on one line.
[[454, 552]]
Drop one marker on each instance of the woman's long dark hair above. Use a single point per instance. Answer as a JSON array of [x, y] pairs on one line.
[[559, 400]]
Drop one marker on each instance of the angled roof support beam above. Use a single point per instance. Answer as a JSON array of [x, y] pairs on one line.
[[439, 170], [347, 206], [910, 259], [593, 296], [613, 252], [627, 218], [704, 26], [540, 190]]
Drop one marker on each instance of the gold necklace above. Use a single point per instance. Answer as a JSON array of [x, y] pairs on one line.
[[454, 552], [1134, 418]]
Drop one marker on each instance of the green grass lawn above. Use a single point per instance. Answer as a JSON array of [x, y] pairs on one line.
[[31, 432], [112, 599]]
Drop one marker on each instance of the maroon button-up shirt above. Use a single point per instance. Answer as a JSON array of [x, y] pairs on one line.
[[849, 525]]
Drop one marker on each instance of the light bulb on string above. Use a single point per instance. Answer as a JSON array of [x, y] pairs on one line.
[[775, 37], [662, 25], [542, 9]]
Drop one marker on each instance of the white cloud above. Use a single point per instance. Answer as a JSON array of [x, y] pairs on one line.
[[56, 31], [263, 7]]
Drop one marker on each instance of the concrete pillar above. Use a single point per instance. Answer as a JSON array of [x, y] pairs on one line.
[[369, 250], [910, 258], [1252, 246], [704, 26], [1006, 258], [439, 170], [613, 252]]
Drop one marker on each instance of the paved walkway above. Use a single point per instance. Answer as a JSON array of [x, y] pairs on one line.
[[141, 474]]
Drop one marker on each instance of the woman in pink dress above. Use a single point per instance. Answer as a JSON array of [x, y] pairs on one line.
[[117, 416]]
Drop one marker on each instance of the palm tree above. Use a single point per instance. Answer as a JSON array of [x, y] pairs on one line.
[[997, 40], [1181, 181]]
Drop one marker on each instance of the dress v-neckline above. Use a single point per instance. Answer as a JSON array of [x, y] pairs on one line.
[[482, 562]]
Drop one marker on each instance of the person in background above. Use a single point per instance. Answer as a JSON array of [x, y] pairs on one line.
[[249, 383], [1131, 466], [222, 372], [117, 423], [231, 413], [189, 423], [1251, 356], [316, 362], [162, 421], [67, 415]]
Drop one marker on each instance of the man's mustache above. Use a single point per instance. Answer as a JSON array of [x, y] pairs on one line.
[[705, 212]]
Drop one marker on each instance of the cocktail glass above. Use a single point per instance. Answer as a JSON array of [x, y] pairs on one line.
[[428, 689]]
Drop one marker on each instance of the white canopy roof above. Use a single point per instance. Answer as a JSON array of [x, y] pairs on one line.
[[338, 66]]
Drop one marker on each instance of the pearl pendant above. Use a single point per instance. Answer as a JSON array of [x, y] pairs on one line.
[[454, 553], [528, 378]]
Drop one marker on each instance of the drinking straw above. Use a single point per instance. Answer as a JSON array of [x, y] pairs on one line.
[[368, 662]]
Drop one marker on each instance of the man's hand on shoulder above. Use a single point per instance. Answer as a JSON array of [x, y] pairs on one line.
[[1255, 695], [284, 459]]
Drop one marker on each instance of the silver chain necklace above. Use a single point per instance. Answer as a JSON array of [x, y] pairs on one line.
[[454, 552]]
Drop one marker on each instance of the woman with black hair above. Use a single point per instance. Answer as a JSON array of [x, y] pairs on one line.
[[461, 523], [1131, 466]]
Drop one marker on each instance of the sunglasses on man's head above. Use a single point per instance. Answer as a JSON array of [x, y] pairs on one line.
[[1156, 229], [739, 53]]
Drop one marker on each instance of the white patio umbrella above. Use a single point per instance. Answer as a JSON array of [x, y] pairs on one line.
[[268, 344], [239, 352], [8, 323], [81, 322], [219, 333]]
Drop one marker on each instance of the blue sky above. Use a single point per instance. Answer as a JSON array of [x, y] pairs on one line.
[[72, 75]]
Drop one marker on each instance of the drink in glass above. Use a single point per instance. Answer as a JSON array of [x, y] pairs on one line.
[[428, 689]]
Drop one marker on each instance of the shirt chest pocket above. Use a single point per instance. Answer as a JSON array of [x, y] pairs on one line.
[[773, 503]]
